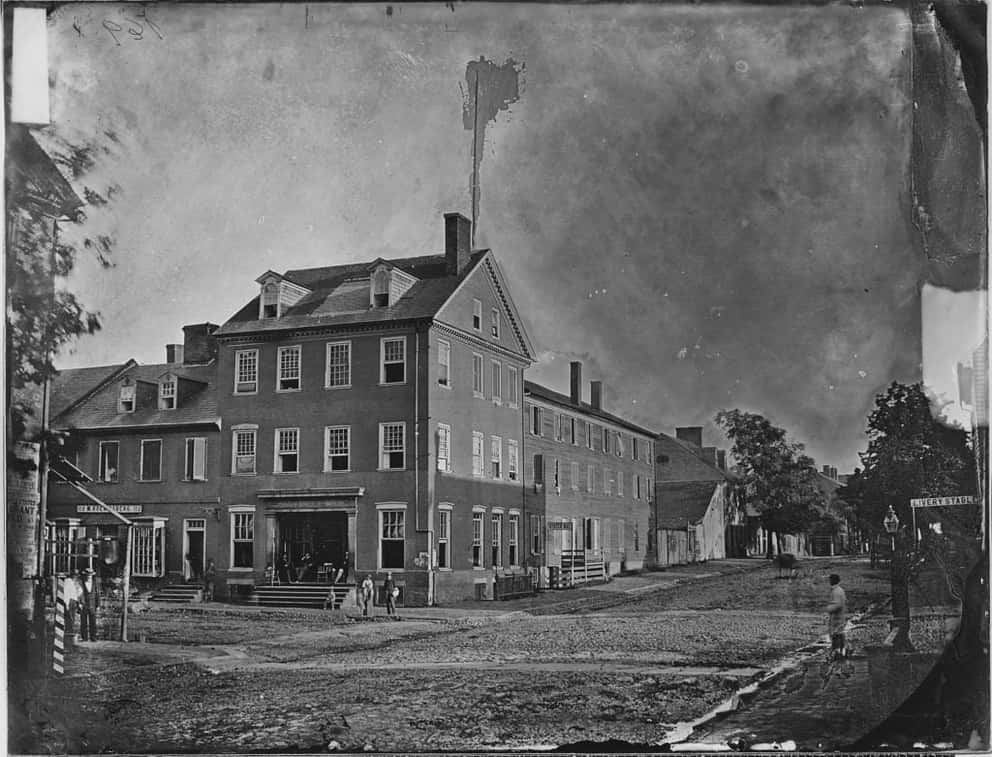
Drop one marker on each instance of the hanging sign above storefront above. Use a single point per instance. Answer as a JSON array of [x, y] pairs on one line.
[[115, 508]]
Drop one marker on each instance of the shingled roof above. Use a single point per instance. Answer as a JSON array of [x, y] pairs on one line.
[[549, 395], [100, 411], [71, 386], [683, 502], [337, 298]]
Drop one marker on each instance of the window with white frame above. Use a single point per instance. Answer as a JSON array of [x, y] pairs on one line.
[[619, 483], [496, 456], [337, 373], [619, 445], [558, 422], [244, 451], [477, 453], [478, 384], [287, 450], [497, 540], [393, 360], [592, 533], [443, 447], [246, 372], [557, 476], [196, 459], [575, 476], [444, 538], [606, 440], [512, 379], [109, 460], [151, 459], [148, 551], [167, 393], [392, 446], [513, 459], [535, 420], [494, 323], [242, 540], [477, 314], [125, 400], [392, 538], [497, 381], [288, 371], [477, 540], [269, 305], [444, 363], [513, 539], [337, 446]]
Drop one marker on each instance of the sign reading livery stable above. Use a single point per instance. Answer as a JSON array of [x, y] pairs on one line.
[[942, 501]]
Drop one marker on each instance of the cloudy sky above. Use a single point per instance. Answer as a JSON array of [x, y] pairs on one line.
[[705, 205]]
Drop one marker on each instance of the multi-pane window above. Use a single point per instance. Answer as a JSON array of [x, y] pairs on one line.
[[392, 446], [242, 540], [338, 371], [288, 377], [287, 450], [246, 371], [513, 459], [443, 538], [167, 394], [575, 476], [393, 360], [496, 456], [511, 386], [497, 381], [513, 539], [196, 459], [535, 420], [443, 447], [109, 454], [477, 375], [392, 539], [494, 323], [619, 483], [148, 552], [244, 451], [476, 540], [337, 443], [125, 401], [477, 444], [477, 315], [497, 541], [444, 363], [151, 459], [270, 301]]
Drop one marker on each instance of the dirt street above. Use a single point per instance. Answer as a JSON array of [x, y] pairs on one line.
[[668, 648]]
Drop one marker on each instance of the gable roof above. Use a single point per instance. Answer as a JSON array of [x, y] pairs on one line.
[[701, 469], [557, 398], [99, 411], [682, 502], [337, 298], [73, 385]]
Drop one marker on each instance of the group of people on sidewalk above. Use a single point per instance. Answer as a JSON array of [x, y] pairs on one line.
[[82, 596], [366, 596]]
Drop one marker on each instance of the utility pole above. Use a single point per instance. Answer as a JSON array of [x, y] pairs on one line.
[[475, 158]]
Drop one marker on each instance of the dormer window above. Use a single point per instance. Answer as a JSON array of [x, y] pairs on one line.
[[277, 295], [167, 393], [380, 288], [125, 401], [270, 301]]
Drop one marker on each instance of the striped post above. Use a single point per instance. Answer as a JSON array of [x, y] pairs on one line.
[[58, 660]]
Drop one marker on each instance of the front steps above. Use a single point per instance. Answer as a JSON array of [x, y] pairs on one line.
[[307, 595], [178, 594]]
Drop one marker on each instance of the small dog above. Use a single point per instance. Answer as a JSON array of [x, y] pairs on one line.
[[786, 562]]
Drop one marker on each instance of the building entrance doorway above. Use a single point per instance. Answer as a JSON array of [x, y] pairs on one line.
[[194, 546], [315, 541]]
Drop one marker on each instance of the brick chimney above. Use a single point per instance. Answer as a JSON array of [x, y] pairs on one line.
[[826, 471], [596, 394], [691, 434], [457, 242], [721, 459], [576, 382], [709, 455], [173, 353], [199, 346]]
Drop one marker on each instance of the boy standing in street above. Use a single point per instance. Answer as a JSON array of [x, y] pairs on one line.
[[837, 616]]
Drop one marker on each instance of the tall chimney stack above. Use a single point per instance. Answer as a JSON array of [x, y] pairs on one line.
[[691, 434], [826, 471], [596, 394], [576, 382], [709, 455], [457, 242], [173, 353], [721, 459], [199, 343]]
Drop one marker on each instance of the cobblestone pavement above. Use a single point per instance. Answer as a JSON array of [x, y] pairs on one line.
[[655, 656]]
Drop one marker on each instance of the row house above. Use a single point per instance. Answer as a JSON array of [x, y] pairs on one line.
[[147, 437], [588, 483], [373, 415]]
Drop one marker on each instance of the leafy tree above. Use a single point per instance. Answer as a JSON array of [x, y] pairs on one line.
[[777, 479]]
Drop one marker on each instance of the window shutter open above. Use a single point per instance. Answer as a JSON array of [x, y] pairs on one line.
[[199, 459]]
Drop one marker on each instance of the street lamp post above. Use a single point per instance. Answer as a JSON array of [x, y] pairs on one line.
[[898, 637]]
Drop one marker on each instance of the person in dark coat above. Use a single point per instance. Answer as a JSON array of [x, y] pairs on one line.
[[391, 592], [209, 574], [89, 603], [285, 568]]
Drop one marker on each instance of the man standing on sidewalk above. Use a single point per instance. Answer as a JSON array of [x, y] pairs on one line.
[[89, 604], [837, 616]]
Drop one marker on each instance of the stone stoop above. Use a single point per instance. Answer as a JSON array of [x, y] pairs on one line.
[[178, 594], [304, 595]]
